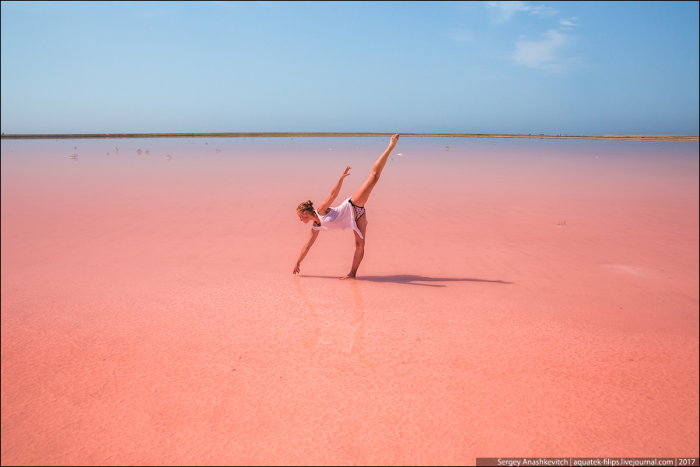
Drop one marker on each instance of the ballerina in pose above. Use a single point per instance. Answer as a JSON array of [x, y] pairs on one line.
[[350, 214]]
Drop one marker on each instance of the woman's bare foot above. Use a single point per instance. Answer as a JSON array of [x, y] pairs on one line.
[[349, 276]]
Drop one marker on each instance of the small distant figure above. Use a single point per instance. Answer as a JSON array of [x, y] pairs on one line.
[[400, 154], [561, 224], [447, 148], [148, 151], [206, 144], [218, 151], [74, 157], [116, 150], [167, 158], [138, 151]]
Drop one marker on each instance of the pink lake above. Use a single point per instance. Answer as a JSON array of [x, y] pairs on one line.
[[149, 313]]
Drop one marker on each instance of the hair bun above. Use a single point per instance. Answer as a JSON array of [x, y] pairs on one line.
[[307, 205]]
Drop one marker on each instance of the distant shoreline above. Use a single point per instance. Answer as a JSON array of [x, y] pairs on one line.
[[667, 138]]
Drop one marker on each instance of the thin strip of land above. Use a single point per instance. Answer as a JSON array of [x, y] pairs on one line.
[[667, 138]]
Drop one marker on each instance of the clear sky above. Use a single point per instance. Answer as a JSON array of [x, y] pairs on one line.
[[482, 67]]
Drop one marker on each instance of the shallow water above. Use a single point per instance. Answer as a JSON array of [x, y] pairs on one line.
[[149, 313]]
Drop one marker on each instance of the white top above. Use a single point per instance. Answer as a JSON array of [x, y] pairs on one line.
[[338, 218]]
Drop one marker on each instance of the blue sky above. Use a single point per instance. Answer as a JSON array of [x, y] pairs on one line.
[[481, 67]]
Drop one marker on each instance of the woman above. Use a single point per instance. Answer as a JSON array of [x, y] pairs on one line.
[[348, 215]]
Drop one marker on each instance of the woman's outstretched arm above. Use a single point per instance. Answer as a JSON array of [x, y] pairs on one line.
[[305, 249], [323, 207]]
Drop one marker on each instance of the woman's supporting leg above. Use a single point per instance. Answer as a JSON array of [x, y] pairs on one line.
[[359, 246], [362, 194]]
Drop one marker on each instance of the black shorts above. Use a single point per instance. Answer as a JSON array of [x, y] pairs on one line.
[[359, 210]]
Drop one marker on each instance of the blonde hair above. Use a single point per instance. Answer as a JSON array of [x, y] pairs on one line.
[[306, 206]]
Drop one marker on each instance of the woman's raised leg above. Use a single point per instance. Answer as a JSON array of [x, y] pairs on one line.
[[362, 194]]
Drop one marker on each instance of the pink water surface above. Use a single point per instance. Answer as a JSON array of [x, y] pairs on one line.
[[149, 313]]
